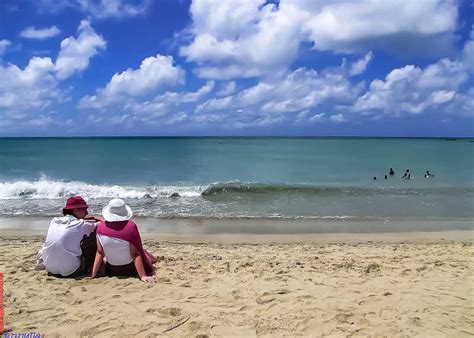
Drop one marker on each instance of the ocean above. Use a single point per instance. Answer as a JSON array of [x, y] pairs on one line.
[[242, 178]]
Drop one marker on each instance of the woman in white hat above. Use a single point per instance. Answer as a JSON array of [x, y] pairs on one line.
[[118, 239]]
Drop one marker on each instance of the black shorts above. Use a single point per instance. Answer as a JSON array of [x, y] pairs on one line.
[[127, 270]]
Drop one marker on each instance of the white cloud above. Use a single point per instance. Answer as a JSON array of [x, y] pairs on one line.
[[304, 118], [26, 93], [245, 38], [113, 8], [3, 46], [338, 118], [300, 91], [413, 90], [442, 96], [359, 66], [348, 26], [227, 89], [176, 118], [154, 74], [462, 104], [186, 97], [316, 117], [239, 38], [30, 88], [100, 9], [75, 53], [40, 33], [41, 121]]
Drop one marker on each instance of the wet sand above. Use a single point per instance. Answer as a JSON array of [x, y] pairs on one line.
[[390, 284]]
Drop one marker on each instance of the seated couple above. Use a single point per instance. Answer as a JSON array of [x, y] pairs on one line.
[[77, 244]]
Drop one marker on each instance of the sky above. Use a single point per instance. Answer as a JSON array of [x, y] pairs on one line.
[[236, 68]]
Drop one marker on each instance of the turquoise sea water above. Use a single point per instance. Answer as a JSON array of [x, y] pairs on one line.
[[329, 178]]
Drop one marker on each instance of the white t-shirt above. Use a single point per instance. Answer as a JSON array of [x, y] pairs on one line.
[[62, 248], [116, 250]]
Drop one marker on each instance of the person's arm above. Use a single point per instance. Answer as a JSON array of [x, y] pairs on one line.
[[94, 218], [138, 261], [99, 258], [88, 227]]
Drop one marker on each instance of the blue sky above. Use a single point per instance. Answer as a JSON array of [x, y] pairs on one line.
[[236, 67]]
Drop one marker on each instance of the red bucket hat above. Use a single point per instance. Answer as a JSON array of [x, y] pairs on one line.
[[75, 202]]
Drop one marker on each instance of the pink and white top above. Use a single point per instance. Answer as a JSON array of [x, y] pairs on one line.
[[117, 251]]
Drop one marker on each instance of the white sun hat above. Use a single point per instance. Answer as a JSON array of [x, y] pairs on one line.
[[117, 211]]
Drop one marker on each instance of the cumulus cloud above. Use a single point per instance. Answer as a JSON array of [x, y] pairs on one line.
[[176, 118], [414, 90], [26, 93], [462, 104], [100, 9], [75, 52], [41, 121], [30, 88], [360, 66], [154, 74], [348, 26], [296, 94], [3, 46], [162, 109], [304, 117], [338, 118], [114, 8], [40, 33], [238, 38], [187, 97], [227, 89]]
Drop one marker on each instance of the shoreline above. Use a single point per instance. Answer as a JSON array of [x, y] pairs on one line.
[[261, 226], [415, 237]]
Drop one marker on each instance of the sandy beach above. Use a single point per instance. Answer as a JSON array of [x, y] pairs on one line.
[[400, 284]]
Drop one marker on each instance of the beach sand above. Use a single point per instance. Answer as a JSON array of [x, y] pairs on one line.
[[403, 284]]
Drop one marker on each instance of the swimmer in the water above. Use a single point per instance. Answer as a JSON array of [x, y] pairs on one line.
[[428, 174], [407, 175], [391, 173], [375, 178], [385, 176]]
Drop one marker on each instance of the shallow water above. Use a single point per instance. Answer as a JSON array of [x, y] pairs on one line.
[[287, 178]]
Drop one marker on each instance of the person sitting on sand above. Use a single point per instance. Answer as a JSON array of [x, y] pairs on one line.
[[118, 239], [70, 244]]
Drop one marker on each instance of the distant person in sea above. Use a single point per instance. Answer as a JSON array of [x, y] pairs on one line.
[[385, 177], [70, 245], [375, 178], [428, 174], [407, 175], [119, 241], [391, 173]]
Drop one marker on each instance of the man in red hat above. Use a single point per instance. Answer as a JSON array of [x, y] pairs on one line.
[[70, 245]]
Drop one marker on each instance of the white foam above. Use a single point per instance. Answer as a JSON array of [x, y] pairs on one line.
[[45, 188]]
